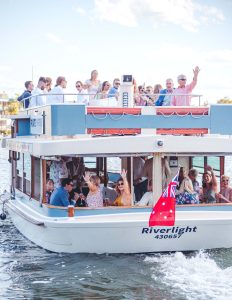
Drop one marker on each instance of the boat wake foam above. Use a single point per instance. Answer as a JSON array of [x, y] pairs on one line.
[[194, 277]]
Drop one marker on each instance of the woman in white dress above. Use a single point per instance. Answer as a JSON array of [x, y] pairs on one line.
[[93, 84]]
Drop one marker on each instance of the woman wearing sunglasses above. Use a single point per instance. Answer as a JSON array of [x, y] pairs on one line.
[[123, 191], [225, 195], [104, 90]]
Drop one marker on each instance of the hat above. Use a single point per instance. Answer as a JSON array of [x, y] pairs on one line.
[[181, 76]]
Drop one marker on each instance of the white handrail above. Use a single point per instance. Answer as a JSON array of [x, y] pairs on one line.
[[91, 94]]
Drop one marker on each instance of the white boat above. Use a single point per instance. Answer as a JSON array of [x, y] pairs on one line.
[[187, 136]]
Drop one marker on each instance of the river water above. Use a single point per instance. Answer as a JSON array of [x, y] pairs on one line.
[[29, 272]]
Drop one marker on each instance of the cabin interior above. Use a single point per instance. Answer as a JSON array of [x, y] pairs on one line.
[[29, 174]]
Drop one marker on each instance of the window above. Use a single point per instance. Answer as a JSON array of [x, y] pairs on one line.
[[19, 172], [35, 171], [23, 179], [90, 163], [200, 163]]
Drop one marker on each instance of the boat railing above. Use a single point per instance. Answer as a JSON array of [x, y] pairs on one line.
[[155, 96], [107, 117], [100, 99]]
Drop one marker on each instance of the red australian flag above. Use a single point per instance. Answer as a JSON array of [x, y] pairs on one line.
[[163, 213]]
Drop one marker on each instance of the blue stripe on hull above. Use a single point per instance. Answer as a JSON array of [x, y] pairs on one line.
[[62, 212]]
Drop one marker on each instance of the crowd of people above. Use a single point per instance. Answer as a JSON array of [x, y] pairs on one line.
[[93, 195], [71, 183], [190, 192], [94, 89]]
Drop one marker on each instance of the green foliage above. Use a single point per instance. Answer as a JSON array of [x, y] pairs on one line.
[[13, 108]]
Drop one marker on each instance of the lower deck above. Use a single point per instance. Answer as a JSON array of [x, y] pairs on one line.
[[62, 212], [30, 174]]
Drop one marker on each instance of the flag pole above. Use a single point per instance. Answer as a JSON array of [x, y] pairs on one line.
[[157, 176], [164, 211], [32, 73], [132, 177]]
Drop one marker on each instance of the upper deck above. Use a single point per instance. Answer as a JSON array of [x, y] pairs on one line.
[[71, 119], [43, 130]]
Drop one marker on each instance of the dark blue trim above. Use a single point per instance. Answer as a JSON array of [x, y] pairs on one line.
[[62, 212], [56, 212], [205, 208]]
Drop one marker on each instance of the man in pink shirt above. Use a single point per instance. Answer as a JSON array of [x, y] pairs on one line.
[[181, 95]]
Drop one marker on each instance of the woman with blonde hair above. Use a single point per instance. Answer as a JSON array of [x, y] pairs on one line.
[[225, 194], [93, 84], [94, 198], [48, 84], [123, 191]]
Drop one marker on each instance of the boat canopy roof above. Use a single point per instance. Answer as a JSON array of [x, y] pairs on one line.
[[140, 145]]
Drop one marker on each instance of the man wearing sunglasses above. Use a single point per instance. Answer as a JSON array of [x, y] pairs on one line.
[[114, 91], [182, 94], [60, 197]]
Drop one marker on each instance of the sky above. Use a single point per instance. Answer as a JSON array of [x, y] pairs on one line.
[[151, 39]]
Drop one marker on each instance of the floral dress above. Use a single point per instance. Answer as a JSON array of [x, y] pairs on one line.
[[94, 200], [186, 193]]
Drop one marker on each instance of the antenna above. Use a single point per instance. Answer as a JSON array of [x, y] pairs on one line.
[[32, 73]]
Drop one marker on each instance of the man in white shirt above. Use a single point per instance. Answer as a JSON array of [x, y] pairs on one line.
[[56, 95], [38, 97], [148, 197]]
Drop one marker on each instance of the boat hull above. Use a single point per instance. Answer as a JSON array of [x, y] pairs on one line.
[[123, 233]]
